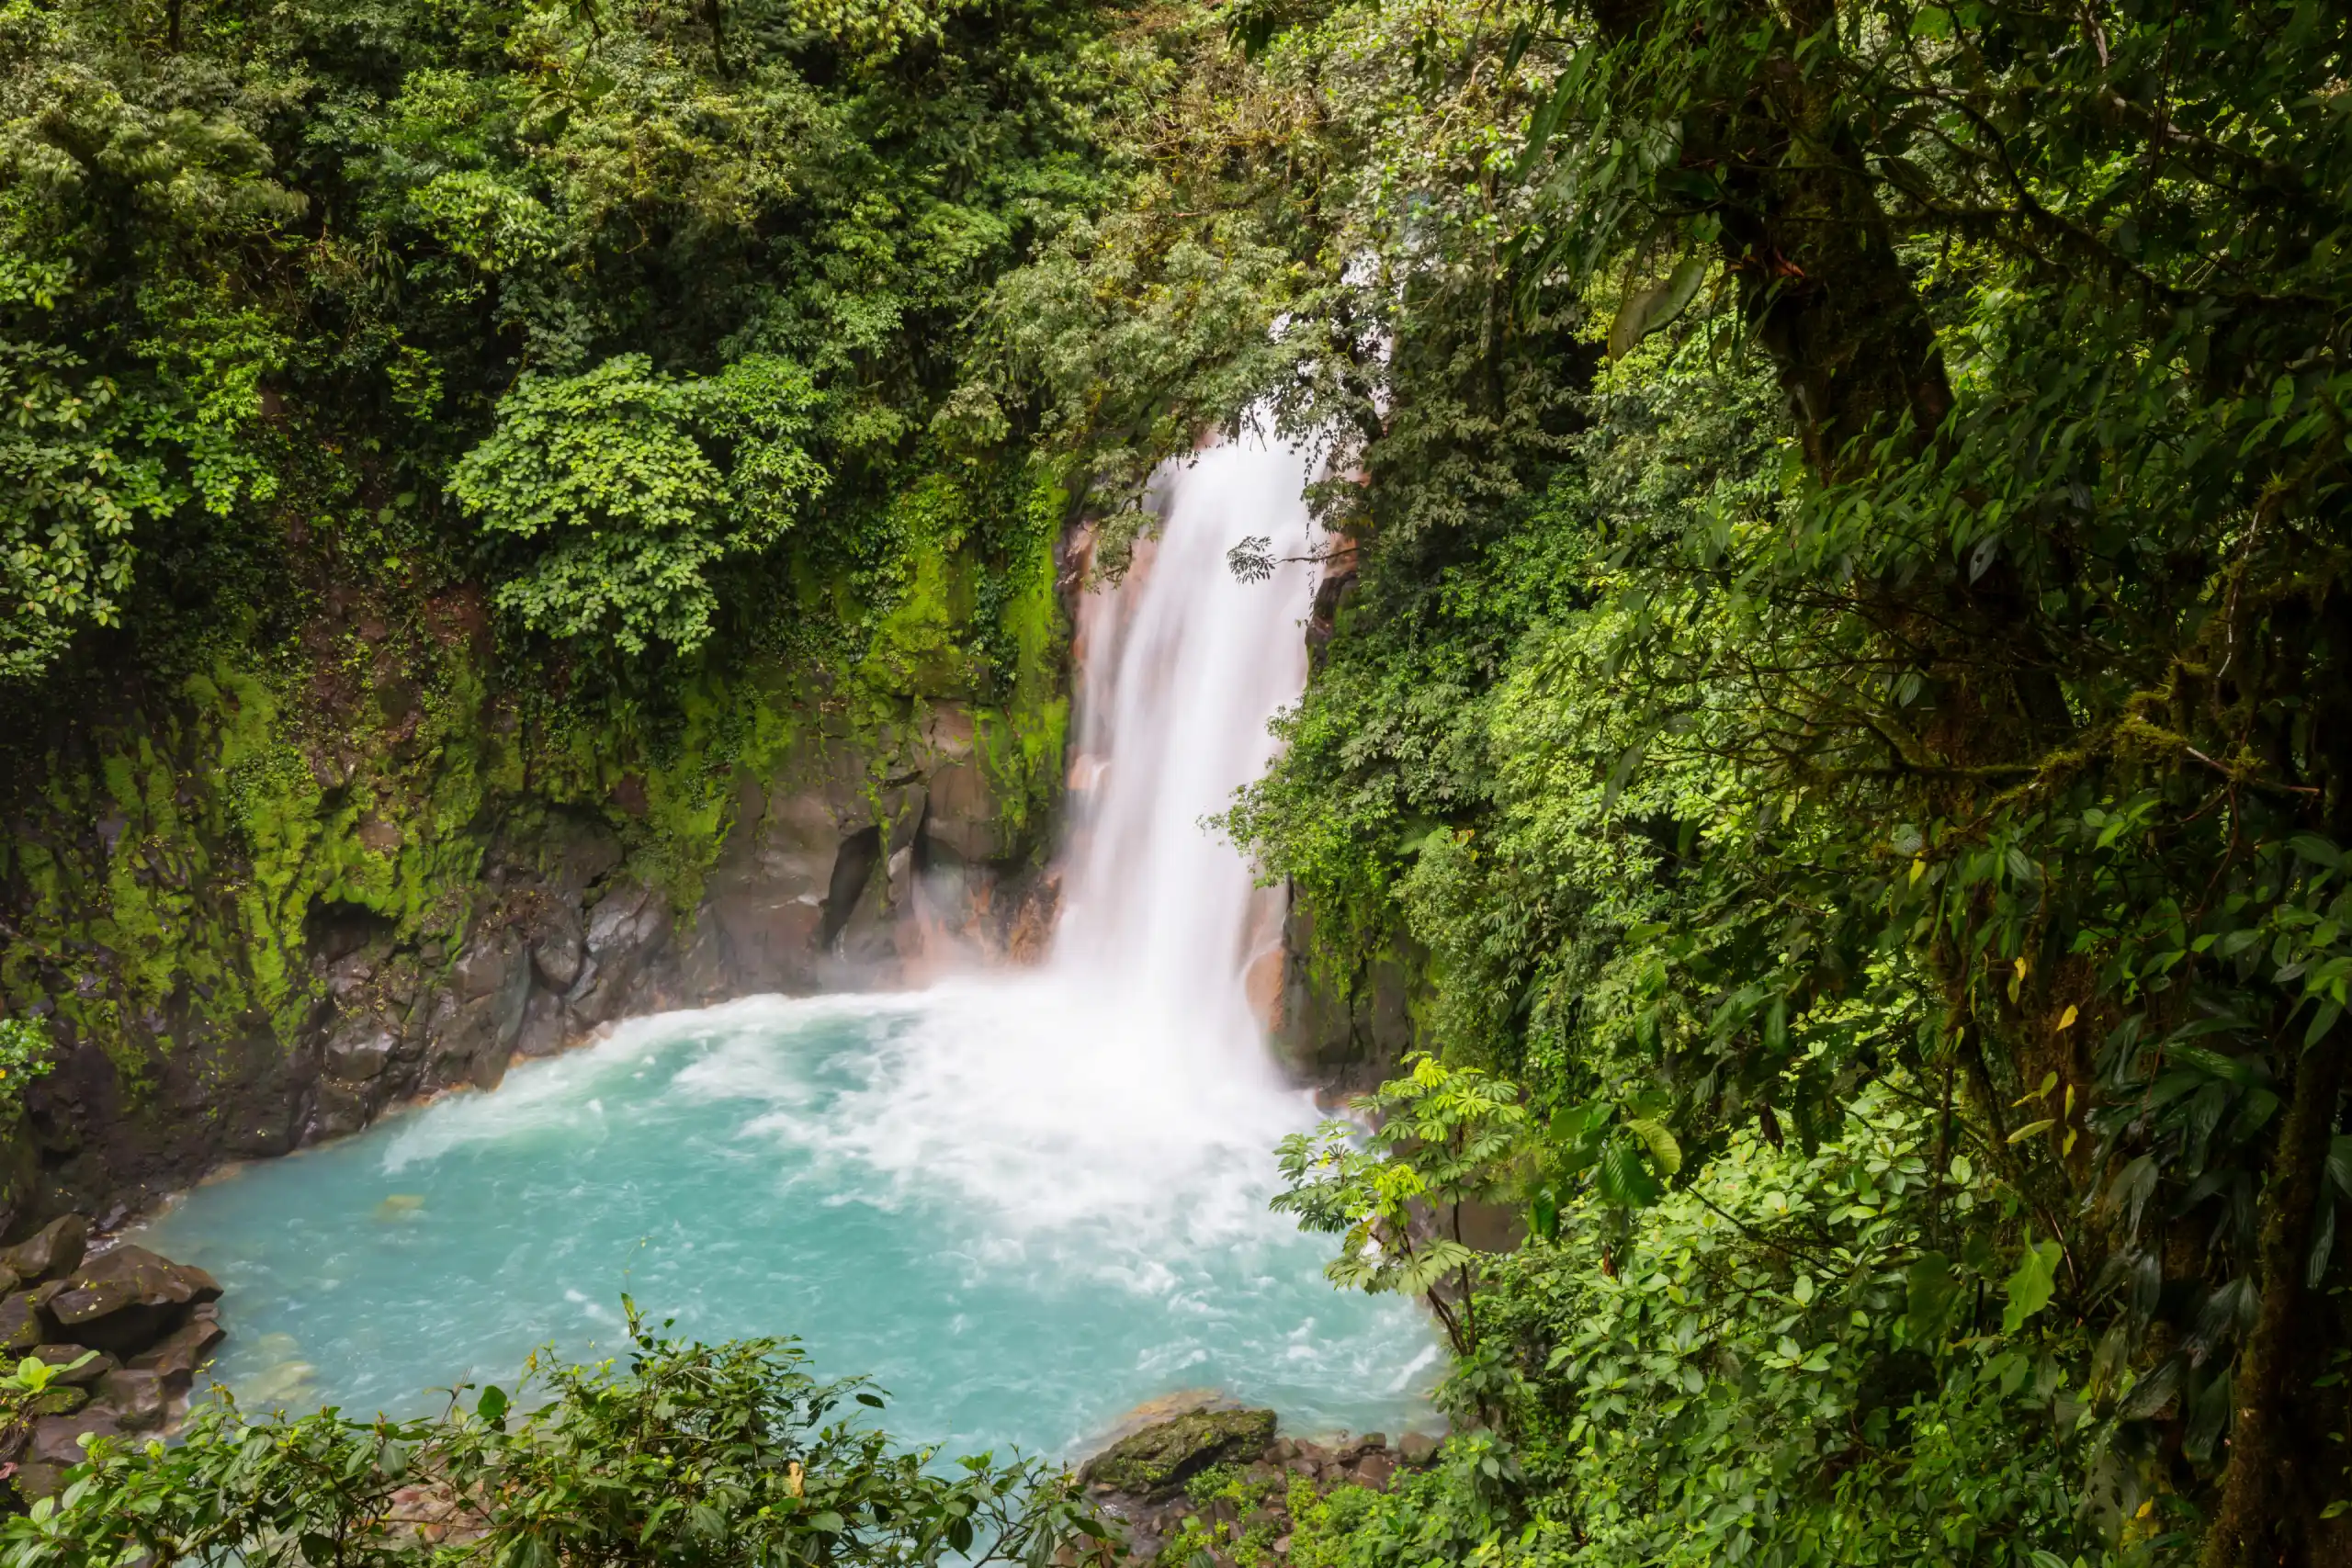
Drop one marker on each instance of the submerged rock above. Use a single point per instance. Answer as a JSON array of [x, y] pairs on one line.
[[1156, 1462], [285, 1377]]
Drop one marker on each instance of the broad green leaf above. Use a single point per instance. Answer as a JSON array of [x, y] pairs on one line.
[[1650, 309], [2030, 1288], [1624, 1179], [1665, 1152], [2316, 850], [1931, 1293]]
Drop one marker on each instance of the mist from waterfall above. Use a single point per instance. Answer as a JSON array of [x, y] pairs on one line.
[[1024, 1201]]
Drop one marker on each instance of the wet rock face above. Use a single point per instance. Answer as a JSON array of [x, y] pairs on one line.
[[21, 1325], [1343, 1031], [845, 865], [125, 1331], [123, 1301], [176, 1357], [51, 1253]]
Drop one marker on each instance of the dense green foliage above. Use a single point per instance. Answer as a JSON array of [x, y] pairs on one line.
[[25, 1050], [654, 274], [428, 423], [1842, 689], [270, 275], [1848, 653], [619, 455], [685, 1453]]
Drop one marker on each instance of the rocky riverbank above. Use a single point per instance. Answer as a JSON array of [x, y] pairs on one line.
[[118, 1336], [1225, 1482]]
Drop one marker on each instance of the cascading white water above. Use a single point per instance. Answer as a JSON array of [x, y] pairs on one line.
[[1023, 1201], [1127, 1083], [1184, 667]]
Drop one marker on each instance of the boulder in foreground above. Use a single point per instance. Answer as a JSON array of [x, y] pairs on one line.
[[53, 1251], [126, 1300], [1156, 1462], [123, 1334]]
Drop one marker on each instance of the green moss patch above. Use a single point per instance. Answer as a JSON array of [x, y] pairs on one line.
[[1156, 1462]]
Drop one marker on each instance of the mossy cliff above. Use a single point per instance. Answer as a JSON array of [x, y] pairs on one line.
[[263, 899]]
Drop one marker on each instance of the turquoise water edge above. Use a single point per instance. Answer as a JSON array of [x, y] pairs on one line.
[[1019, 1231]]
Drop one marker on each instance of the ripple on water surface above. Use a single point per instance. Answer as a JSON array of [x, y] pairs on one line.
[[1019, 1222]]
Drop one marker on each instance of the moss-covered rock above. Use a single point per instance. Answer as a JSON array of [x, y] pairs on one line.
[[1156, 1462], [21, 1325]]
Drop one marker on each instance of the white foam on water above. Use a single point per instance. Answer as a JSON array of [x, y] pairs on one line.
[[1042, 1113]]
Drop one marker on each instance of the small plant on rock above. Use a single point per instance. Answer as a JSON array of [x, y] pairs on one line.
[[25, 1055]]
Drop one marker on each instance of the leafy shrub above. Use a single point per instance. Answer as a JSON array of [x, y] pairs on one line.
[[74, 483], [689, 1454], [35, 1388], [631, 485], [1773, 1363], [24, 1049]]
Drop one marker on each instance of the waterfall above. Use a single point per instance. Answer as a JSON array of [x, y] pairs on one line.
[[1182, 667], [1025, 1200], [1125, 1083]]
